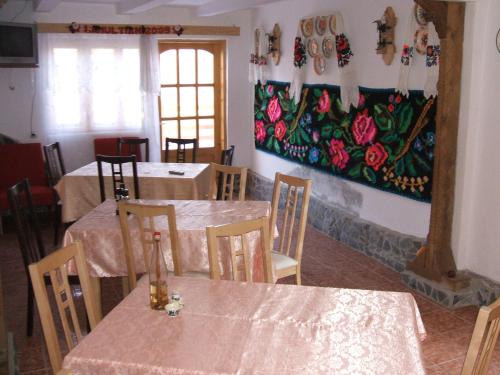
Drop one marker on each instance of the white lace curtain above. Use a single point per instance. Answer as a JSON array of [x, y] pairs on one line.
[[99, 84]]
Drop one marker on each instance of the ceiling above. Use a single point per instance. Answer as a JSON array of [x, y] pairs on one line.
[[201, 8]]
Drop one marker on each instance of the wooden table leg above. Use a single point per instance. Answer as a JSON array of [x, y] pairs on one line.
[[96, 285]]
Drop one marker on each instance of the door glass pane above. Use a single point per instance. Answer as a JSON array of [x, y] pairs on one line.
[[168, 67], [168, 129], [206, 101], [206, 138], [187, 66], [188, 129], [187, 101], [169, 102], [205, 67]]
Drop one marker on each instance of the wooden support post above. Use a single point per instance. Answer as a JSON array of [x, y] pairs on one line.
[[436, 260]]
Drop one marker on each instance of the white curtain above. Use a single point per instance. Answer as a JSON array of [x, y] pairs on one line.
[[150, 90]]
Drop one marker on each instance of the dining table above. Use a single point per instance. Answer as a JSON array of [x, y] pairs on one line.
[[79, 190], [101, 237], [229, 327]]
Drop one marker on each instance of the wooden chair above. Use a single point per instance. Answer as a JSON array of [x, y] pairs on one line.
[[116, 174], [146, 215], [483, 341], [181, 153], [28, 235], [285, 262], [55, 265], [227, 156], [239, 230], [55, 164], [134, 147], [223, 182], [56, 170]]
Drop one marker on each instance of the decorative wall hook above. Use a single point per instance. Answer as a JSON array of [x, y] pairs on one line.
[[385, 27], [274, 44]]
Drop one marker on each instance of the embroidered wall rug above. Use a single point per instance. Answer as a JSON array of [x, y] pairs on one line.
[[386, 143]]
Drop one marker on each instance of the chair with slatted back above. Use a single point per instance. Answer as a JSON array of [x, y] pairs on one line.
[[224, 184], [56, 170], [29, 237], [55, 265], [134, 147], [483, 341], [147, 216], [286, 262], [116, 163], [181, 152], [228, 234], [227, 156]]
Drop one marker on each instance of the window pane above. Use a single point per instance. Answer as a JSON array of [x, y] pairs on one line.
[[168, 129], [169, 102], [205, 101], [168, 67], [206, 138], [104, 98], [205, 67], [186, 66], [187, 101], [188, 129], [66, 97], [131, 104]]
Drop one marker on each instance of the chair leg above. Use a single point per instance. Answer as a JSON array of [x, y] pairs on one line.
[[57, 222], [297, 277], [29, 317]]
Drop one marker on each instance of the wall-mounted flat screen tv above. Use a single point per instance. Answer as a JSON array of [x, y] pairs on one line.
[[18, 45]]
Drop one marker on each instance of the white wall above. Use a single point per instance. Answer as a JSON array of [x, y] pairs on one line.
[[477, 198], [386, 209], [15, 105]]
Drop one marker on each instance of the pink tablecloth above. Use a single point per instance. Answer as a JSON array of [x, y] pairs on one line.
[[79, 190], [101, 235], [238, 328]]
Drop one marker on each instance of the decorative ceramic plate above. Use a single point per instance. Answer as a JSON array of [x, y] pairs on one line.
[[328, 45], [307, 27], [319, 65], [420, 15], [313, 47], [421, 36], [332, 24], [321, 23]]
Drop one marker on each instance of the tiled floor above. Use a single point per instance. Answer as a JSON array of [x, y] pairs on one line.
[[326, 263]]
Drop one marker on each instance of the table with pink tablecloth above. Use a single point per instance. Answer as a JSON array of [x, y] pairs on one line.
[[79, 190], [101, 235], [230, 327]]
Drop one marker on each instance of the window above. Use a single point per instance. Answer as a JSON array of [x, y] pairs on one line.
[[94, 83], [191, 104]]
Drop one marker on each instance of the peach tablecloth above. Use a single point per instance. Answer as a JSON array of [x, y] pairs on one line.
[[79, 190], [243, 328], [101, 235]]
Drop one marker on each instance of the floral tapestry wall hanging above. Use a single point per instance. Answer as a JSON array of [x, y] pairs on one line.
[[387, 142]]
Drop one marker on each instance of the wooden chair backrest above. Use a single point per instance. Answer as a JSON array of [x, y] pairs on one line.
[[294, 186], [26, 223], [223, 182], [55, 164], [145, 216], [239, 231], [134, 147], [227, 156], [181, 153], [55, 265], [116, 174], [483, 341]]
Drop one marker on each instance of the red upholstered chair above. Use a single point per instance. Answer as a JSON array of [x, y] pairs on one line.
[[110, 147], [25, 160]]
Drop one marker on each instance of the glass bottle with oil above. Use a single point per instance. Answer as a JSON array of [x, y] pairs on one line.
[[158, 289]]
